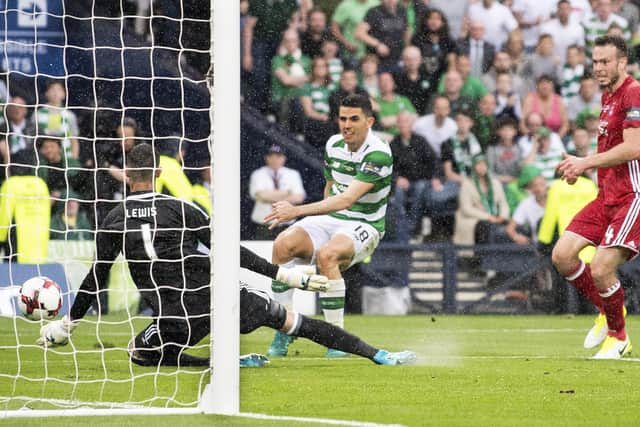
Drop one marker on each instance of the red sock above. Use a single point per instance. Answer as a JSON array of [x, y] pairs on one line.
[[613, 299], [581, 279]]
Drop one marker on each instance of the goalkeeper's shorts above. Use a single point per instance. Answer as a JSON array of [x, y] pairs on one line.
[[258, 309]]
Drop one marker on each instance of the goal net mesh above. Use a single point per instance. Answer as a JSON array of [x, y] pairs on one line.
[[93, 77]]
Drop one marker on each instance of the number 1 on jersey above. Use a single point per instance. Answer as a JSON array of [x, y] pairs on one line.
[[147, 239]]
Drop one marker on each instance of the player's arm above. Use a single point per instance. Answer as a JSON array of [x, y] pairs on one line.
[[108, 246], [572, 167], [284, 211], [327, 187]]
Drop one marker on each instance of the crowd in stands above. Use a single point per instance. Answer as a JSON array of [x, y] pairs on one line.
[[56, 183], [479, 99]]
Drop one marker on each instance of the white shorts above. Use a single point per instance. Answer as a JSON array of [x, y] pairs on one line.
[[323, 227]]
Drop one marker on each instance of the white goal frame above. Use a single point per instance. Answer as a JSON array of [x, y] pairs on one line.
[[222, 394]]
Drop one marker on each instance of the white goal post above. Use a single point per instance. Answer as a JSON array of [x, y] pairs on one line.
[[217, 390]]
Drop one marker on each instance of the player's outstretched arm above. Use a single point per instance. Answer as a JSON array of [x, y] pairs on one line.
[[285, 211], [58, 332]]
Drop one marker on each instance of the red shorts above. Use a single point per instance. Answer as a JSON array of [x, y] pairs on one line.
[[609, 225]]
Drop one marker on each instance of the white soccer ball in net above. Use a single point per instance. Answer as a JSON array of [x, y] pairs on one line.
[[40, 298]]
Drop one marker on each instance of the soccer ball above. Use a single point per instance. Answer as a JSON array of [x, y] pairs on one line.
[[40, 298]]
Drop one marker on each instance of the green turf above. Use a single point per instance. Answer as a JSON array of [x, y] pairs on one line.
[[473, 370]]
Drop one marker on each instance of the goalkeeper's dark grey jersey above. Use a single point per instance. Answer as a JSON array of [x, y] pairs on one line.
[[165, 242]]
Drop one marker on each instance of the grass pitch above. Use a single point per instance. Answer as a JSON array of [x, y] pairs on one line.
[[473, 370]]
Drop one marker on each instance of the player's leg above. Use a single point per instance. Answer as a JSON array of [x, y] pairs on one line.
[[257, 309], [351, 243], [296, 242], [292, 244], [566, 259], [165, 341], [336, 255], [604, 270]]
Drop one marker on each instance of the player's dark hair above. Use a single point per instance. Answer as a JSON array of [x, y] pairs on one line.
[[358, 101], [615, 41], [141, 163]]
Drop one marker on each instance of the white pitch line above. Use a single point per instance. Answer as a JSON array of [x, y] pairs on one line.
[[316, 420], [115, 408]]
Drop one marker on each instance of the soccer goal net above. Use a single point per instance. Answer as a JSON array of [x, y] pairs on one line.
[[83, 82]]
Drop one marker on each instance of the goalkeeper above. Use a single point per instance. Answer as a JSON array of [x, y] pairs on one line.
[[162, 239]]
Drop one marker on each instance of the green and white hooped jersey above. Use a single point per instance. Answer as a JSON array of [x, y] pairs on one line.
[[372, 163]]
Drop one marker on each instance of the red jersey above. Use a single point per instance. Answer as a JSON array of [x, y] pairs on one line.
[[620, 110]]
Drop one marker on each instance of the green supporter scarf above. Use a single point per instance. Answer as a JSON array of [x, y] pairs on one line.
[[462, 153], [487, 197]]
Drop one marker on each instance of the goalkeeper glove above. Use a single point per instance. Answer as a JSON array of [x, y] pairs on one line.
[[303, 279], [56, 332]]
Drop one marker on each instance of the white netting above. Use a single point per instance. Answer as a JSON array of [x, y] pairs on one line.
[[88, 75]]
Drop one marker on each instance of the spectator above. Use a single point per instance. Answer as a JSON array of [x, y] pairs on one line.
[[455, 11], [472, 87], [110, 179], [544, 154], [173, 181], [548, 103], [530, 14], [484, 127], [453, 92], [317, 32], [480, 52], [455, 158], [265, 23], [438, 126], [59, 172], [391, 104], [532, 123], [599, 22], [580, 10], [315, 104], [581, 144], [291, 70], [523, 227], [508, 103], [54, 119], [628, 11], [16, 134], [415, 169], [25, 213], [502, 64], [482, 206], [329, 51], [348, 86], [273, 183], [505, 157], [68, 221], [564, 29], [515, 49], [385, 31], [413, 80], [436, 46], [542, 62], [572, 73], [369, 75], [588, 97], [516, 191], [346, 18], [498, 20]]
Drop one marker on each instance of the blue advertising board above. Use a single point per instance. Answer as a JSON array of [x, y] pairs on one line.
[[32, 39]]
